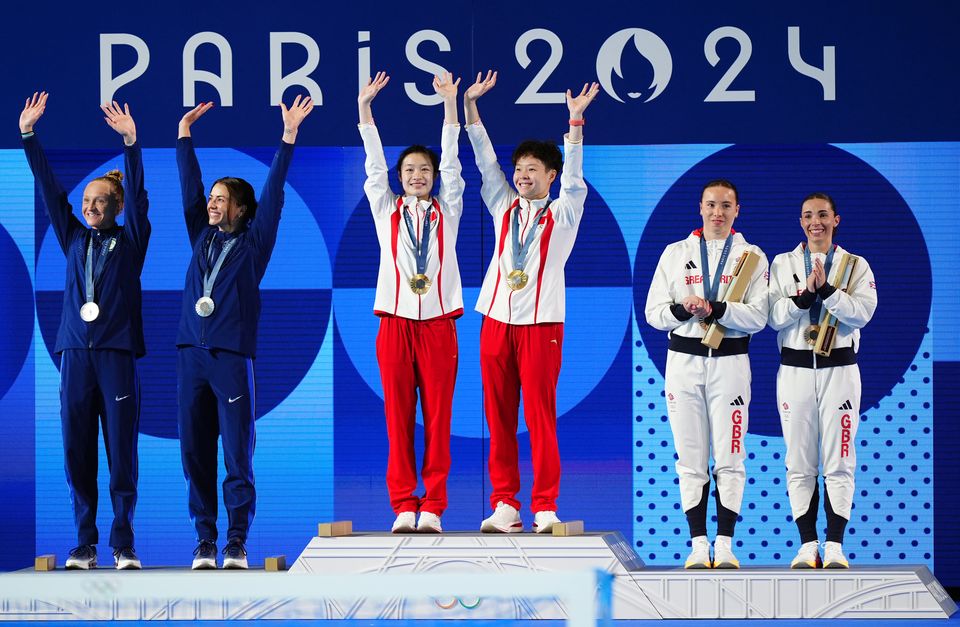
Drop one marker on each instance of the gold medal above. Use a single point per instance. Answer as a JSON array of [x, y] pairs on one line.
[[517, 280], [419, 284], [810, 334]]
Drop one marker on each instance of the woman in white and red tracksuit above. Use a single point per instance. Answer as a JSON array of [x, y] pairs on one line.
[[819, 397], [522, 299], [418, 300], [708, 390]]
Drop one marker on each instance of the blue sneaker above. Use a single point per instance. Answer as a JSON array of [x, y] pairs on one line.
[[205, 556], [83, 557], [126, 559], [234, 555]]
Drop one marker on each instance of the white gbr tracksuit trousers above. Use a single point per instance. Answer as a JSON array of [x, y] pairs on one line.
[[819, 397], [707, 391]]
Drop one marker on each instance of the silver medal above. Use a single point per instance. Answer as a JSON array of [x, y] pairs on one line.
[[89, 312], [204, 306]]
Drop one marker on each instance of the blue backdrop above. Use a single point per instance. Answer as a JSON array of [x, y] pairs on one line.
[[783, 99]]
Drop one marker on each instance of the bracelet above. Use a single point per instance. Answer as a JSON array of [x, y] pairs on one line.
[[26, 135], [579, 122]]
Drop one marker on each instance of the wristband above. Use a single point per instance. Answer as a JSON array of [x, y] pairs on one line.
[[579, 122]]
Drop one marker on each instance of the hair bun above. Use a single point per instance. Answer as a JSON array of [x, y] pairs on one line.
[[114, 174]]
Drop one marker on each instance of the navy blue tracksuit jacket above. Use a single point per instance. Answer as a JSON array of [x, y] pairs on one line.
[[98, 367], [216, 388]]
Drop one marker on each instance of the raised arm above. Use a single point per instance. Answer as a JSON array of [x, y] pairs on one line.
[[136, 203], [573, 189], [263, 228], [377, 185], [191, 180], [451, 179], [65, 224], [495, 190]]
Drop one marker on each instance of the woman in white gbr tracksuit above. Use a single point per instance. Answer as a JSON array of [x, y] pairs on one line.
[[819, 397], [708, 391]]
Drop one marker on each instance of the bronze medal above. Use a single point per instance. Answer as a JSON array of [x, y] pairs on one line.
[[703, 324], [810, 334], [419, 284], [517, 280]]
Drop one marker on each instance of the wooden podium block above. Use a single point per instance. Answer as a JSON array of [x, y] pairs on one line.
[[335, 529], [45, 563], [569, 528], [275, 563]]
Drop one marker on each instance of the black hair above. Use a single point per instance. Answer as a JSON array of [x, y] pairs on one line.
[[822, 196], [242, 193], [419, 149], [722, 183], [545, 151]]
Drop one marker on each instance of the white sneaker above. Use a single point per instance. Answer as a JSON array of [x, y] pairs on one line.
[[83, 557], [699, 554], [126, 559], [833, 556], [808, 556], [506, 519], [429, 523], [544, 521], [723, 556], [406, 522], [235, 555]]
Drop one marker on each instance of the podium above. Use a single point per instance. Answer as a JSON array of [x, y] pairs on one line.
[[473, 576]]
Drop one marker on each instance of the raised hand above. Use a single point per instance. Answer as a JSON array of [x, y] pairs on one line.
[[578, 104], [373, 87], [121, 121], [482, 85], [293, 116], [192, 116], [32, 111], [445, 86]]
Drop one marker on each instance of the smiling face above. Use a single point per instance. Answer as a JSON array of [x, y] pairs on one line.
[[818, 220], [532, 178], [223, 210], [718, 208], [416, 175], [100, 205]]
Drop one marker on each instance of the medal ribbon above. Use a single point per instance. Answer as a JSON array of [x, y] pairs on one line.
[[520, 252], [808, 266], [211, 277], [710, 292], [423, 246], [93, 276]]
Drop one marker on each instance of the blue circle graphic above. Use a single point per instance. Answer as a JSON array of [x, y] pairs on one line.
[[597, 301], [295, 291], [875, 222], [17, 305]]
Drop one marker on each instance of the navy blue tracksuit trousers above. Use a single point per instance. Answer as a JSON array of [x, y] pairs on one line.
[[100, 386], [216, 398]]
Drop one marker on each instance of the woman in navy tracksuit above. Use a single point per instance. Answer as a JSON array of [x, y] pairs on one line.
[[232, 236], [101, 331]]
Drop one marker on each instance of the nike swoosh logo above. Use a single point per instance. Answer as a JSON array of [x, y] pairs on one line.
[[553, 341], [120, 398], [233, 400]]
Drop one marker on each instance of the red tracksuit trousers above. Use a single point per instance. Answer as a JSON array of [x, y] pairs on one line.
[[527, 357], [418, 354]]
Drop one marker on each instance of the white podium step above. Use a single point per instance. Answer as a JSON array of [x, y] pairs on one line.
[[638, 592], [472, 576]]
